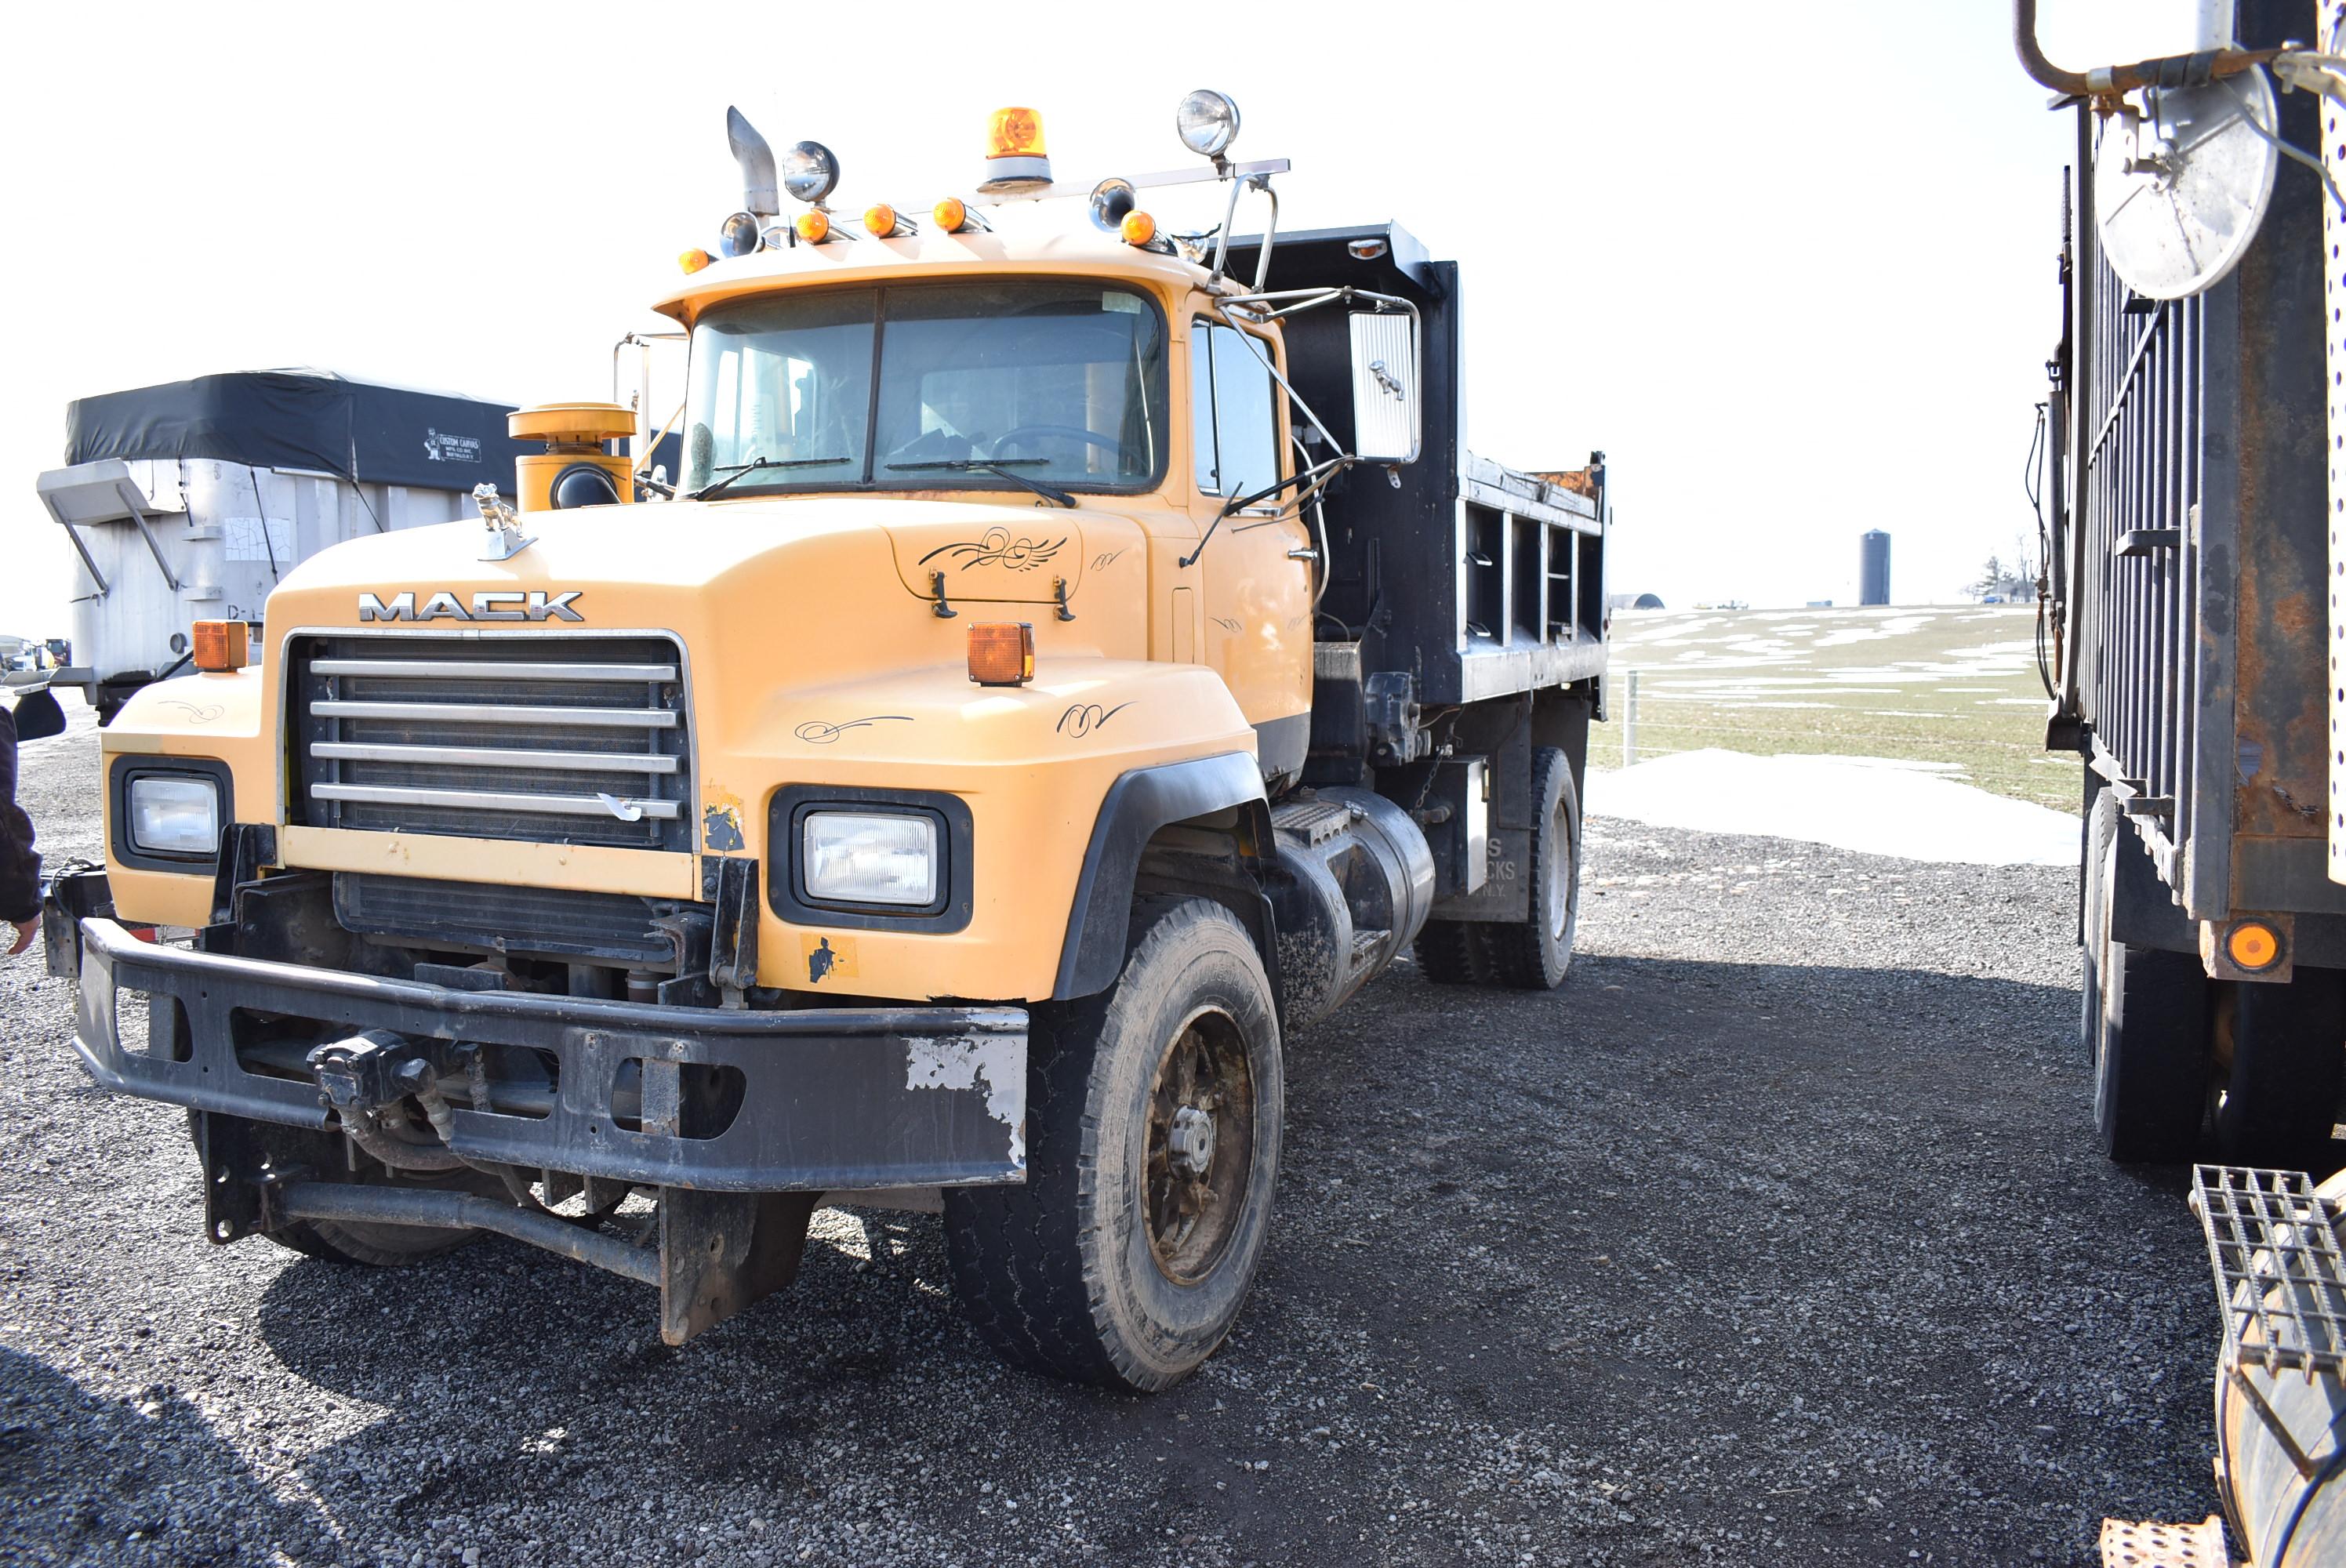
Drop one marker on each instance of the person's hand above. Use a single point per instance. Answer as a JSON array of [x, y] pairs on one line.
[[23, 934]]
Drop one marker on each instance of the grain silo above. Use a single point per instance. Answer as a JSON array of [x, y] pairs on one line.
[[1873, 567]]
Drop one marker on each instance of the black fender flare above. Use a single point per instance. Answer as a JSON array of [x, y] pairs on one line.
[[1137, 806]]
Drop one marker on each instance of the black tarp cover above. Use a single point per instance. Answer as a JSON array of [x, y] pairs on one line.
[[303, 419]]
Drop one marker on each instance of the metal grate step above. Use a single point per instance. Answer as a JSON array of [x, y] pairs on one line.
[[1313, 821], [2274, 1246]]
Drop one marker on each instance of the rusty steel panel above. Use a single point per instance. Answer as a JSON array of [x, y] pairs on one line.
[[2333, 290], [2283, 699]]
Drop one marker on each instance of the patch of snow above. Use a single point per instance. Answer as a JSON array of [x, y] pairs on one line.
[[1868, 805]]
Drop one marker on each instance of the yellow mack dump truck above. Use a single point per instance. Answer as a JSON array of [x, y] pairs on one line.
[[1073, 658]]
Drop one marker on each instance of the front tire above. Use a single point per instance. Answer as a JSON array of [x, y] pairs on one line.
[[1153, 1138]]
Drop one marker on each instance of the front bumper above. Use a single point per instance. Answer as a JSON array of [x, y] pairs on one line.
[[831, 1099]]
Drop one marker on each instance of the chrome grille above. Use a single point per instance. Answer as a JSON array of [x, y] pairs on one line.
[[552, 739]]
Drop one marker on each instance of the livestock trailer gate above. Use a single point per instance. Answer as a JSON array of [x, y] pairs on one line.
[[2188, 606]]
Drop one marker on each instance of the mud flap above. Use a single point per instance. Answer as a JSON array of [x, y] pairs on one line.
[[723, 1252]]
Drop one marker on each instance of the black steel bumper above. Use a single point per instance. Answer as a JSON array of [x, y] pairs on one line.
[[836, 1098]]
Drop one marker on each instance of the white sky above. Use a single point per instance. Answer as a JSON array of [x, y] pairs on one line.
[[1791, 266]]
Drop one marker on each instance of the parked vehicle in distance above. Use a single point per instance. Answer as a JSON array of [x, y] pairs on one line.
[[1078, 658], [192, 500]]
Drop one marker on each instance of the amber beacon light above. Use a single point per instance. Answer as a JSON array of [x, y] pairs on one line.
[[1002, 653], [1015, 161]]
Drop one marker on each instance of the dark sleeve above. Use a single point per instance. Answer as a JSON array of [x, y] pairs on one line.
[[20, 863]]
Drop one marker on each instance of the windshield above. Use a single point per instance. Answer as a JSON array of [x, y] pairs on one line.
[[1060, 381]]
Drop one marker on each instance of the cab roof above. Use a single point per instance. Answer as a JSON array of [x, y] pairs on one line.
[[1079, 250]]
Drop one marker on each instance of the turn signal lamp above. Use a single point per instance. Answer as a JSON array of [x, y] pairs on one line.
[[1002, 653], [1137, 229], [813, 228], [952, 214], [694, 260], [221, 645], [881, 219], [2253, 945], [1015, 161]]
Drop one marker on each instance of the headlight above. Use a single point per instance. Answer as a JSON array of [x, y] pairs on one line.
[[871, 858], [174, 814], [1207, 121]]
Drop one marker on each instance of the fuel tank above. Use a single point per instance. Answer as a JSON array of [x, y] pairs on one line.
[[1355, 879]]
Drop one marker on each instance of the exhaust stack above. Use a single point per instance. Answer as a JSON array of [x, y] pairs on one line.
[[761, 192]]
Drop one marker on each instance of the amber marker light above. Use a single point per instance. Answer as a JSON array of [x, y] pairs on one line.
[[950, 214], [813, 228], [1002, 653], [221, 645], [1137, 229], [2253, 945], [694, 260], [881, 219]]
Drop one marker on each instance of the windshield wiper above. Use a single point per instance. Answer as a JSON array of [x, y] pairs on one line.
[[1003, 466], [734, 471]]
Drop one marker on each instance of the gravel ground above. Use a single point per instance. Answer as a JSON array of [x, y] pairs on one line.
[[1775, 1236]]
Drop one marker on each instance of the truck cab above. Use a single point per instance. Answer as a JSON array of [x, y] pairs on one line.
[[1072, 659]]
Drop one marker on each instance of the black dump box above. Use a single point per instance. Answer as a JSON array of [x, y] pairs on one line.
[[1479, 580]]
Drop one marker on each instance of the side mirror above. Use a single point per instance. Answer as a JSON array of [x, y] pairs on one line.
[[38, 716], [1387, 411]]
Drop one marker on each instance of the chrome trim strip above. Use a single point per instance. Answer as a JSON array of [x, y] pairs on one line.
[[493, 800], [478, 713], [470, 669], [487, 757]]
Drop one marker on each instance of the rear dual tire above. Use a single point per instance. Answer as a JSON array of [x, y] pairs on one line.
[[2144, 1020], [1534, 953]]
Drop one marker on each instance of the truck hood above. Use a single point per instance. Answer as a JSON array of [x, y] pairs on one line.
[[987, 550], [813, 586]]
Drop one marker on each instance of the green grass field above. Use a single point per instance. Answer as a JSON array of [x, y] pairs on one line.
[[1951, 686]]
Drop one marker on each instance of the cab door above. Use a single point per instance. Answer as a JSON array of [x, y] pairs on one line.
[[1255, 590]]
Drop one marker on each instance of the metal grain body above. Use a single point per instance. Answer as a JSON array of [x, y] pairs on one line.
[[2195, 675]]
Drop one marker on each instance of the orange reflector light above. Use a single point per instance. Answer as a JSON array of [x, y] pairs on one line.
[[1002, 653], [950, 214], [2253, 945], [881, 219], [813, 228], [1137, 229], [694, 260], [1015, 133], [221, 645]]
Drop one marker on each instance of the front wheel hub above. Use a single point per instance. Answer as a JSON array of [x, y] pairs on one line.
[[1191, 1141], [1192, 1199]]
